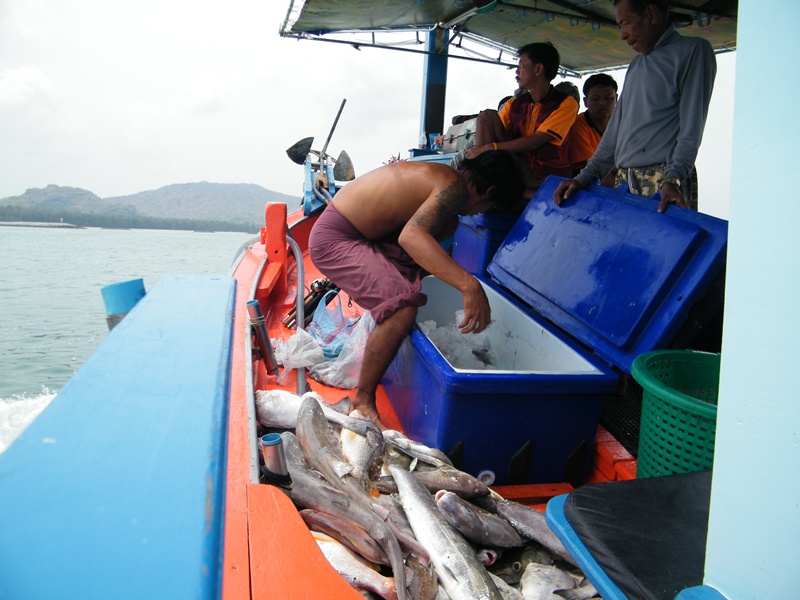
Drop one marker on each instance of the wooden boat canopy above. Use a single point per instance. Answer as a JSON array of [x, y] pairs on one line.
[[584, 31]]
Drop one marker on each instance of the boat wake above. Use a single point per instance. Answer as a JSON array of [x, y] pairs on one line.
[[19, 411]]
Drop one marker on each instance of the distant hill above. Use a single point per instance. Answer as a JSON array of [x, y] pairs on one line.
[[204, 206], [58, 198], [238, 202]]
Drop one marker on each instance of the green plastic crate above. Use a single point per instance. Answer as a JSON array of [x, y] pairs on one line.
[[679, 411]]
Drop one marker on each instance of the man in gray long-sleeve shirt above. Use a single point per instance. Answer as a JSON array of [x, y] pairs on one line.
[[655, 132]]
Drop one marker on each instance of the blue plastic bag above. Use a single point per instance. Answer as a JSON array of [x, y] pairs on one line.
[[330, 327], [344, 371]]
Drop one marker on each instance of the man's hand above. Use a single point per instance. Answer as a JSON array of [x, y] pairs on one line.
[[478, 150], [477, 313], [670, 194], [565, 190]]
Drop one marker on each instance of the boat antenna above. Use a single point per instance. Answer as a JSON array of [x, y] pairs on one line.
[[335, 121]]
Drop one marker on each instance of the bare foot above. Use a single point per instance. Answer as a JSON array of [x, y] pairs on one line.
[[370, 412]]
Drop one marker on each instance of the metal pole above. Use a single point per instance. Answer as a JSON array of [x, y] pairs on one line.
[[335, 121], [258, 323], [300, 313]]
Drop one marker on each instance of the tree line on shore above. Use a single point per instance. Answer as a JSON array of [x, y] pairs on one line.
[[118, 221]]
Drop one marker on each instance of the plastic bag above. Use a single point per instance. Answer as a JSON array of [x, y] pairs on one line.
[[330, 327], [300, 350], [343, 371]]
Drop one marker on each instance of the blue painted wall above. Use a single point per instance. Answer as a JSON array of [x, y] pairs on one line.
[[117, 489], [754, 531]]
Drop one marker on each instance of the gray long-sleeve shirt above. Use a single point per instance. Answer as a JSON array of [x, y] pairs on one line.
[[662, 110]]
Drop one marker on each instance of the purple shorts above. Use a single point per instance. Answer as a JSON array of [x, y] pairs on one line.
[[379, 275]]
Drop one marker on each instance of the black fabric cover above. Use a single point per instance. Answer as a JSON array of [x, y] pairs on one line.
[[648, 535]]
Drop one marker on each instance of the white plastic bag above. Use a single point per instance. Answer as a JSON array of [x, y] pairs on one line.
[[343, 371], [300, 350]]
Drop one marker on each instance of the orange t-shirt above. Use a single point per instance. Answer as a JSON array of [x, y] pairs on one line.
[[583, 141], [554, 115]]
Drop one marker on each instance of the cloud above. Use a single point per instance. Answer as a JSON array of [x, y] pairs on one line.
[[24, 85], [210, 106], [121, 97], [33, 18]]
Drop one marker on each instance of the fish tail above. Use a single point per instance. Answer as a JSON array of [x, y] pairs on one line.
[[571, 594]]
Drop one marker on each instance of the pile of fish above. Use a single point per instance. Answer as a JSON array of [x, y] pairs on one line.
[[398, 521]]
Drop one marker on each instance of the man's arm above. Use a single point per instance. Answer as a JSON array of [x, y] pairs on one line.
[[695, 97], [418, 239], [553, 130], [520, 145], [700, 69]]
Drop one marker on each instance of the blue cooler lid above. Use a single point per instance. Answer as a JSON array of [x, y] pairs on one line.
[[608, 269]]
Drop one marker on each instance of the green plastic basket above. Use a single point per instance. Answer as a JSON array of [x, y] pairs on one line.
[[679, 411]]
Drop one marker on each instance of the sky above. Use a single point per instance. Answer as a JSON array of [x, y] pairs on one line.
[[122, 97]]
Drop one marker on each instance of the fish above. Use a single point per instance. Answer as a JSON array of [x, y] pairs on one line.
[[418, 450], [398, 523], [344, 405], [530, 523], [395, 456], [475, 524], [487, 556], [323, 453], [539, 582], [453, 480], [584, 591], [279, 409], [360, 453], [309, 489], [424, 584], [346, 532], [354, 569], [508, 592], [458, 569], [394, 513], [444, 478], [512, 564], [487, 502]]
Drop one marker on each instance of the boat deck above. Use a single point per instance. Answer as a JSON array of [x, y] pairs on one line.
[[261, 521]]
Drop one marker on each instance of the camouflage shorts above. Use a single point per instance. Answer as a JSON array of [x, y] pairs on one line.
[[645, 181]]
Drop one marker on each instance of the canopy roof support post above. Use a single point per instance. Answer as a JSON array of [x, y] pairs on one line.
[[434, 82]]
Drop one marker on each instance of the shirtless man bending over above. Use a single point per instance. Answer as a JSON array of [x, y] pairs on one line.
[[381, 234]]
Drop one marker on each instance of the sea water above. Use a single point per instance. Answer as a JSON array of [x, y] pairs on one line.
[[52, 315]]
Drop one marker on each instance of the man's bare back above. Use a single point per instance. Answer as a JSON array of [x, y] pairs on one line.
[[382, 201]]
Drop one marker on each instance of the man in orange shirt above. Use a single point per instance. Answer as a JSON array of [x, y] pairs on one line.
[[535, 124], [600, 98]]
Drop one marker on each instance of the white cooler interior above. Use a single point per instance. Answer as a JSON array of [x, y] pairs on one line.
[[516, 342]]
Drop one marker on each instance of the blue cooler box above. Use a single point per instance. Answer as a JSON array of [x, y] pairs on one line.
[[478, 237], [577, 292]]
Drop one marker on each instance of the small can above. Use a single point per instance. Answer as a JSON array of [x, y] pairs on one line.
[[274, 456]]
